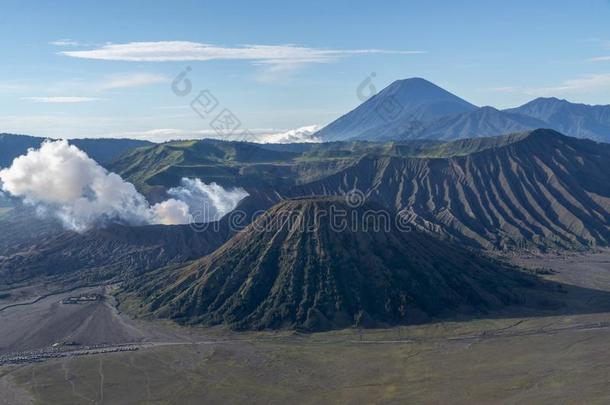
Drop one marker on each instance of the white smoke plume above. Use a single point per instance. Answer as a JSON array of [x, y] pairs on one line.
[[62, 180], [207, 202]]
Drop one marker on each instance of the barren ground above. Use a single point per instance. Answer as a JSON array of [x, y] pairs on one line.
[[544, 359]]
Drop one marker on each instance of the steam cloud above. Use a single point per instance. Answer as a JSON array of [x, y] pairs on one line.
[[63, 181], [207, 202]]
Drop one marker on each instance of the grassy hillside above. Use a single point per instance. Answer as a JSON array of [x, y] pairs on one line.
[[258, 165]]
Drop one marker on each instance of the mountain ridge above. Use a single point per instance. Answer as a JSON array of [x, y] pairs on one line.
[[427, 169], [483, 122], [575, 119], [390, 115], [102, 150], [543, 190]]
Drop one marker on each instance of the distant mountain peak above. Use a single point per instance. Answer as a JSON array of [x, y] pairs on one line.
[[488, 108], [553, 100], [396, 107], [573, 119], [542, 134], [547, 132], [414, 81], [417, 90]]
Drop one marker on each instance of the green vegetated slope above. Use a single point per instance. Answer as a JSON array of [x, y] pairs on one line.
[[273, 165], [222, 162]]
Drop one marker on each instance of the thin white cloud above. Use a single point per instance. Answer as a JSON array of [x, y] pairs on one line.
[[166, 134], [298, 135], [172, 107], [256, 135], [604, 58], [275, 73], [65, 42], [167, 51], [586, 84], [599, 59], [61, 99], [132, 80], [67, 125], [590, 84], [155, 135]]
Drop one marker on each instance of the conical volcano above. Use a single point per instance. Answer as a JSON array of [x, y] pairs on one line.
[[321, 263], [404, 104]]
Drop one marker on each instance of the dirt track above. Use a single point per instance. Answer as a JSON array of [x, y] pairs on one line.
[[39, 323]]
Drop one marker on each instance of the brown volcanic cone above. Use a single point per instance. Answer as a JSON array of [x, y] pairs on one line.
[[292, 268]]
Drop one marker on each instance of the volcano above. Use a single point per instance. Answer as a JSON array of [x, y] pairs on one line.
[[322, 263]]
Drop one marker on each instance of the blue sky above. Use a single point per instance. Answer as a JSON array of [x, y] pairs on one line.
[[83, 69]]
